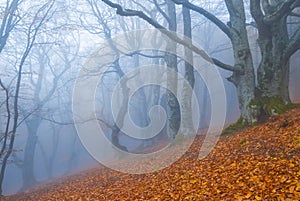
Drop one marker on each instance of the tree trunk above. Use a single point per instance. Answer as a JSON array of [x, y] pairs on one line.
[[29, 152], [123, 109], [142, 106], [273, 71], [187, 114], [244, 79], [154, 94], [171, 61]]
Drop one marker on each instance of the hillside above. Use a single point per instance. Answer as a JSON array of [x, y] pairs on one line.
[[258, 163]]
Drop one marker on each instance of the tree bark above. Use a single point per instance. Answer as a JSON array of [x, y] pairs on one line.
[[244, 80], [171, 61], [273, 71], [123, 109], [265, 13], [29, 152], [275, 45], [187, 114]]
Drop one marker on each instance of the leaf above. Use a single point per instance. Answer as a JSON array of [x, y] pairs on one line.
[[258, 198], [248, 195], [193, 181], [292, 189], [266, 168]]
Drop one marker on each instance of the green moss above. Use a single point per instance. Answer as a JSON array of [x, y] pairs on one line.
[[186, 173], [235, 127], [243, 141], [155, 168], [292, 106], [270, 105]]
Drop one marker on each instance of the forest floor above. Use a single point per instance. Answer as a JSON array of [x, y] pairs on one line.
[[257, 163]]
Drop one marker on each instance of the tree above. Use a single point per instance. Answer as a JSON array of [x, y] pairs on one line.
[[187, 121], [275, 45], [39, 100], [171, 61], [119, 121], [38, 19], [243, 72], [9, 19]]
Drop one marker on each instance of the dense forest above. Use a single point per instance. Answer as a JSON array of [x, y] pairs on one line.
[[88, 82]]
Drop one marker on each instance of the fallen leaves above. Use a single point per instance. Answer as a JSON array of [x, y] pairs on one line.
[[260, 163]]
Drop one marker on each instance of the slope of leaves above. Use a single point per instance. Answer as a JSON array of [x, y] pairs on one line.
[[259, 163]]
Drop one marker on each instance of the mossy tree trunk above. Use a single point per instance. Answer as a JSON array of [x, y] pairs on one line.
[[270, 18], [244, 77], [276, 48], [273, 71]]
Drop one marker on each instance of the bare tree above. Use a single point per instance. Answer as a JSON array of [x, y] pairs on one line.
[[276, 45], [187, 118], [9, 19], [38, 20], [270, 19]]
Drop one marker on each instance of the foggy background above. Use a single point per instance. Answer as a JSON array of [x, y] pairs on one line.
[[68, 36]]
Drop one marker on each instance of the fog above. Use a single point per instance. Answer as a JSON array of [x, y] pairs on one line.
[[47, 145]]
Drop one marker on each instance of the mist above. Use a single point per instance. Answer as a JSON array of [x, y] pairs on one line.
[[51, 41]]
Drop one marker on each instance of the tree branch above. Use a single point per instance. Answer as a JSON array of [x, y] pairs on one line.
[[295, 14], [145, 55], [58, 122], [161, 11], [206, 14], [282, 10], [171, 35], [257, 13], [293, 45], [131, 13], [106, 123], [296, 4], [142, 6], [225, 66], [266, 6]]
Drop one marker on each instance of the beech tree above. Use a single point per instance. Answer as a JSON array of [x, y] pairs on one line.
[[271, 93], [33, 26], [276, 47], [187, 121], [39, 99]]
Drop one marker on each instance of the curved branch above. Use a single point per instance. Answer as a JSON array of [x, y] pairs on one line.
[[225, 66], [161, 11], [131, 13], [296, 4], [293, 45], [294, 14], [142, 6], [206, 14], [257, 13], [282, 10], [171, 35]]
